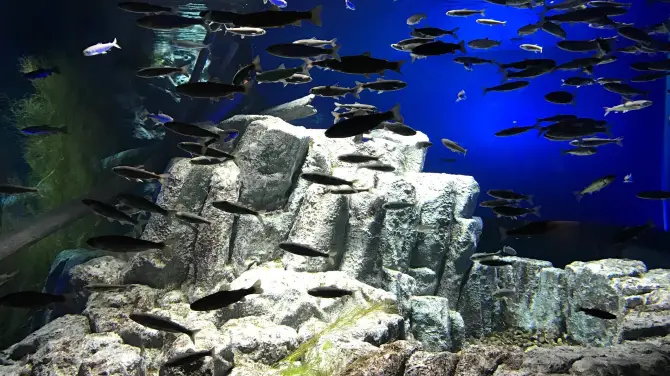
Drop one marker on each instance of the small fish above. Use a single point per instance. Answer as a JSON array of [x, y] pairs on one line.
[[349, 191], [654, 195], [188, 358], [629, 106], [244, 73], [160, 118], [302, 250], [138, 174], [464, 12], [504, 293], [461, 96], [495, 262], [628, 178], [381, 85], [152, 72], [277, 3], [596, 141], [399, 128], [577, 81], [415, 19], [40, 73], [483, 44], [596, 186], [531, 47], [624, 90], [163, 324], [192, 218], [300, 51], [325, 179], [494, 203], [142, 204], [560, 97], [490, 22], [409, 44], [244, 31], [225, 298], [425, 229], [349, 5], [41, 130], [629, 233], [453, 146], [377, 166], [508, 86], [105, 287], [13, 189], [140, 7], [101, 48], [4, 278], [436, 48], [109, 212], [207, 161], [514, 212], [317, 42], [334, 91], [236, 209], [212, 90], [536, 228], [297, 79], [191, 130], [506, 194], [513, 131], [357, 158], [398, 205], [359, 125], [120, 243], [195, 148], [329, 292], [423, 144], [30, 299], [597, 313], [581, 151], [432, 32]]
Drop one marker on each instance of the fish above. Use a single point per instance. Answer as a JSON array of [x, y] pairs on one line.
[[585, 15], [357, 158], [317, 42], [509, 195], [363, 64], [629, 233], [495, 262], [30, 299], [301, 51], [596, 186], [432, 32], [464, 12], [514, 212], [225, 298], [162, 324], [105, 287], [436, 48], [577, 81], [160, 118], [398, 205], [408, 44], [277, 3], [329, 292], [244, 31], [281, 74], [399, 128], [167, 22], [531, 47], [554, 118], [13, 189], [140, 7], [381, 85], [554, 29], [423, 144], [347, 115], [648, 77], [325, 179], [528, 63], [189, 44], [377, 166], [207, 161], [151, 72], [334, 91], [634, 34], [358, 125], [192, 218], [302, 250], [469, 61], [581, 151], [245, 72], [504, 293], [101, 48], [490, 22], [595, 142], [560, 97], [42, 130], [41, 73], [453, 146], [188, 358], [597, 313], [236, 209], [195, 148], [415, 19], [110, 212], [138, 174], [528, 29], [508, 86], [605, 80], [298, 78], [120, 243], [513, 131], [628, 178], [494, 203], [355, 106], [211, 89], [531, 72], [654, 195], [623, 89], [266, 19], [484, 43], [629, 106], [349, 190], [535, 228], [425, 229]]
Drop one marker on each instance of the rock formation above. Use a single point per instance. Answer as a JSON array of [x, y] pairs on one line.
[[405, 267]]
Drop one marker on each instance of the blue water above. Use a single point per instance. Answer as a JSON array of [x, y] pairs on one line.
[[523, 163]]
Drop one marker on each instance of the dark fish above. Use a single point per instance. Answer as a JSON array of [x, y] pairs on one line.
[[192, 218], [495, 262], [190, 130], [531, 72], [244, 73], [40, 73], [105, 287], [470, 61], [399, 128], [397, 205], [560, 97], [334, 91], [424, 144], [556, 118], [436, 48], [329, 292], [207, 161], [378, 166], [629, 233], [139, 7], [623, 89], [302, 250], [301, 51], [363, 64], [225, 298], [585, 15], [120, 243], [138, 174], [12, 189], [161, 323], [508, 86], [141, 203], [151, 72], [654, 195], [495, 203], [506, 194], [358, 125], [554, 30], [188, 358], [408, 44], [348, 190], [30, 299], [578, 45], [211, 89], [528, 63], [634, 34], [196, 149], [535, 228], [167, 22], [514, 211], [597, 313], [382, 85], [528, 29], [39, 130], [325, 179], [109, 211], [484, 43], [432, 32], [234, 208], [267, 19], [357, 158], [648, 77], [578, 81]]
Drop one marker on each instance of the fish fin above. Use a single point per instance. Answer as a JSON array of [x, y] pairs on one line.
[[306, 66], [257, 289], [536, 210], [192, 334], [399, 65], [619, 141], [453, 32], [316, 15], [257, 63], [396, 113], [116, 44], [505, 76], [334, 54], [333, 42], [461, 46]]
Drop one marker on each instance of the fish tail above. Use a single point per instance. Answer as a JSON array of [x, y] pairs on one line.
[[334, 54], [396, 113], [316, 15], [505, 76], [162, 178], [333, 42], [536, 210], [453, 32], [336, 116], [607, 110], [619, 141], [256, 287], [184, 69], [530, 199], [578, 195], [461, 46], [192, 334], [483, 12], [257, 63], [116, 44], [399, 64], [486, 90]]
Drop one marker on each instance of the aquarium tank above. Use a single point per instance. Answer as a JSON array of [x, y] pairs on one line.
[[345, 187]]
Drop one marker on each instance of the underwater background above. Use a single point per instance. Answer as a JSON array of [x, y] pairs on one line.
[[102, 103]]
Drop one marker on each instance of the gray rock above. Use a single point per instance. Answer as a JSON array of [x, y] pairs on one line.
[[648, 304], [399, 151], [485, 360], [106, 269], [390, 360], [423, 363], [426, 280], [462, 243], [258, 340], [297, 109], [402, 286], [457, 330], [398, 234], [593, 285], [430, 322], [480, 311], [548, 305], [269, 155]]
